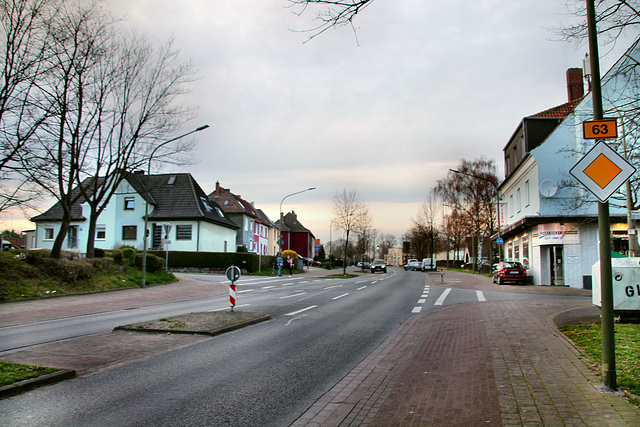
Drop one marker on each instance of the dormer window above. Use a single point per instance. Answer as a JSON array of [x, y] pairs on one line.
[[206, 204], [220, 212], [172, 180]]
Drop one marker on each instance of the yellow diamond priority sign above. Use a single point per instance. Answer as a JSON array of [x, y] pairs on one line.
[[602, 170]]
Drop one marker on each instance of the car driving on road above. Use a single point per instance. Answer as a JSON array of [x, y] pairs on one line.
[[378, 265]]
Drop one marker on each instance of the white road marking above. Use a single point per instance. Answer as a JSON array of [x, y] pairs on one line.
[[340, 296], [293, 313], [242, 292], [422, 301], [291, 296], [440, 300], [228, 307], [268, 287], [480, 296], [416, 309], [331, 287], [361, 288]]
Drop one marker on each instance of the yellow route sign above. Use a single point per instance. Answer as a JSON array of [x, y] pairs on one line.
[[600, 129], [602, 170]]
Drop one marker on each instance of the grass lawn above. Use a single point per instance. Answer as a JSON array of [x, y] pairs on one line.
[[627, 336]]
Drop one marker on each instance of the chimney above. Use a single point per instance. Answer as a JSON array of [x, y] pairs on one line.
[[575, 85]]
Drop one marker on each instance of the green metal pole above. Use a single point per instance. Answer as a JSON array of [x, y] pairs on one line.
[[604, 227]]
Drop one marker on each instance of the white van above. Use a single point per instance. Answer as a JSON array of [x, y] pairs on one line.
[[429, 264]]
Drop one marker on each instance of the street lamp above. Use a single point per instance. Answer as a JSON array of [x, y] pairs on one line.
[[146, 206], [497, 213], [282, 216]]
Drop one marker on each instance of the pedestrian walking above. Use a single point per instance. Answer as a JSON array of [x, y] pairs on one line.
[[279, 262], [290, 266]]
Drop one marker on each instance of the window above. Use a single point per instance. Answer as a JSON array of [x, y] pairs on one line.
[[225, 246], [527, 194], [510, 206], [205, 203], [129, 203], [183, 232], [220, 213], [518, 200], [48, 234], [101, 232], [129, 232]]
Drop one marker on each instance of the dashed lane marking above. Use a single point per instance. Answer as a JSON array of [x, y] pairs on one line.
[[422, 301], [292, 296], [293, 313], [340, 296], [480, 296], [361, 288], [416, 309]]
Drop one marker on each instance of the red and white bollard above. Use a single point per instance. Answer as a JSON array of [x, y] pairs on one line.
[[233, 274], [232, 295], [442, 275]]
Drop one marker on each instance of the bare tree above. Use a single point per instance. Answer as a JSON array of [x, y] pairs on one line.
[[111, 99], [24, 30], [351, 214], [387, 241], [614, 17], [473, 192], [330, 13]]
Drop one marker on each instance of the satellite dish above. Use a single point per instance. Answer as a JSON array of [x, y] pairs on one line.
[[548, 188]]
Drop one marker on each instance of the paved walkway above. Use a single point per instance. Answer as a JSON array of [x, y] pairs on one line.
[[498, 363]]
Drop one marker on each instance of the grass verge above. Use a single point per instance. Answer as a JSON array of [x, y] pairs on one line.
[[589, 339], [11, 373]]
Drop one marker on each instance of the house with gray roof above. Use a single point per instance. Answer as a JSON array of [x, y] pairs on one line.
[[196, 223]]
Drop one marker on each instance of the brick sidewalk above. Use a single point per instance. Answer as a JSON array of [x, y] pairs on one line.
[[500, 363]]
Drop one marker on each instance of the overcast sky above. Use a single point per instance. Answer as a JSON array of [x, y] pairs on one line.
[[426, 84]]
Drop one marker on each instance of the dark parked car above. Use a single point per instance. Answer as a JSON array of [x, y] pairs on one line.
[[378, 265], [509, 271]]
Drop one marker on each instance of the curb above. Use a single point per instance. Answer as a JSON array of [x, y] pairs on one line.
[[30, 384], [211, 333]]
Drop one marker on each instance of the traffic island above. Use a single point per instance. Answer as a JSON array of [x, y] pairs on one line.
[[205, 323]]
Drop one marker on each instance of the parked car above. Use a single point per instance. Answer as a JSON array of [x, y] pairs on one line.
[[378, 265], [413, 265], [429, 264], [509, 271]]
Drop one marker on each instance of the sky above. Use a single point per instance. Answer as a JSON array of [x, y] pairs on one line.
[[386, 111]]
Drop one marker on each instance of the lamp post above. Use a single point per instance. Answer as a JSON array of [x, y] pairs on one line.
[[282, 216], [146, 205], [497, 213]]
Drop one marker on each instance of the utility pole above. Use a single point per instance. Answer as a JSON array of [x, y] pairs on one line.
[[604, 227]]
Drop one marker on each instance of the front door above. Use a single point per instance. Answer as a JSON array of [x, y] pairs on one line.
[[556, 267], [72, 237]]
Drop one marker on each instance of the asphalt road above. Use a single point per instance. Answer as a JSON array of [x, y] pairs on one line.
[[265, 374]]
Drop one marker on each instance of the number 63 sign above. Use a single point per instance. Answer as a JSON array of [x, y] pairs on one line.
[[600, 129]]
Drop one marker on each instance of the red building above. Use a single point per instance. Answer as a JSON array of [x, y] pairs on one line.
[[295, 236]]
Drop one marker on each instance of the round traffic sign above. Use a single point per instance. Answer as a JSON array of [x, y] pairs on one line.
[[499, 240], [233, 273]]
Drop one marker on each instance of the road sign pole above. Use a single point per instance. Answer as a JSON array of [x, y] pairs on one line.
[[604, 228]]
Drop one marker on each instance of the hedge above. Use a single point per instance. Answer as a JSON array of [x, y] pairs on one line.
[[216, 260]]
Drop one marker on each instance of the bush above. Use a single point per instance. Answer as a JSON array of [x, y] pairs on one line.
[[242, 248], [98, 253], [154, 263], [129, 255]]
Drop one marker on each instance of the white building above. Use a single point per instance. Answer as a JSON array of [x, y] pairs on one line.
[[197, 224], [549, 221]]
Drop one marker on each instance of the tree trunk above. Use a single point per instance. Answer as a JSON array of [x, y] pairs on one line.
[[56, 250], [93, 219], [344, 263]]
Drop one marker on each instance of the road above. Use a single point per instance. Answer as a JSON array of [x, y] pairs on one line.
[[266, 374]]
